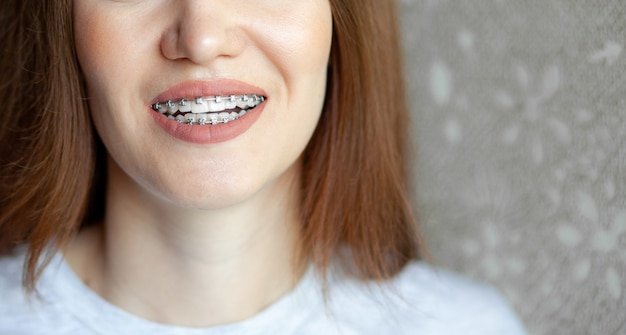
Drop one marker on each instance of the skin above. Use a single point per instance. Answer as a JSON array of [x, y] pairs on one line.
[[198, 235]]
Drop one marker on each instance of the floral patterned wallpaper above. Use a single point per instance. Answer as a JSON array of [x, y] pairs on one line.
[[519, 111]]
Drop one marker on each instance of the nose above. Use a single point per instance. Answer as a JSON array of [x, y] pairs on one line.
[[202, 31]]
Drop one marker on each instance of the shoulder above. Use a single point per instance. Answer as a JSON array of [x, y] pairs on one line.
[[21, 313], [455, 301], [427, 300], [11, 281]]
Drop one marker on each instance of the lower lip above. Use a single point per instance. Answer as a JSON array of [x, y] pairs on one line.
[[208, 134]]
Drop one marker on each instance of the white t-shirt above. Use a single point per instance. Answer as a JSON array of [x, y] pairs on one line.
[[420, 300]]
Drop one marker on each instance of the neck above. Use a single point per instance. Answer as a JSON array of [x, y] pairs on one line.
[[186, 266]]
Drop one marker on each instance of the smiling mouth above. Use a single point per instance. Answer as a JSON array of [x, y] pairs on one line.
[[208, 110]]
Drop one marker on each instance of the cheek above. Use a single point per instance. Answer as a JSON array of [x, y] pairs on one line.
[[92, 44], [100, 47], [103, 44], [296, 37], [305, 49]]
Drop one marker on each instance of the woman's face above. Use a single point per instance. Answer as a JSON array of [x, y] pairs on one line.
[[140, 58]]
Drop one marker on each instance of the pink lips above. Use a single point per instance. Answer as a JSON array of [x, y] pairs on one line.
[[208, 133]]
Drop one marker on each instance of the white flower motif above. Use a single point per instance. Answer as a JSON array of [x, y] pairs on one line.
[[603, 229], [609, 54], [453, 131], [440, 82], [613, 283], [530, 119], [606, 236], [489, 198]]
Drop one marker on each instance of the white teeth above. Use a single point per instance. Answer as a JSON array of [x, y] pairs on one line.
[[160, 107], [231, 103], [172, 107], [199, 107], [208, 118], [202, 119], [208, 104], [208, 110], [242, 102], [217, 105], [190, 118], [212, 118], [252, 102], [184, 106], [224, 117]]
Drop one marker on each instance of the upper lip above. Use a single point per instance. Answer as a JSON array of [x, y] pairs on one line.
[[199, 88]]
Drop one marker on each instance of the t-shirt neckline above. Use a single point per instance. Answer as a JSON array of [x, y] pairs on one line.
[[103, 317]]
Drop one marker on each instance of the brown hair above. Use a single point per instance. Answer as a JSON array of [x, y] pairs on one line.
[[46, 149], [355, 178]]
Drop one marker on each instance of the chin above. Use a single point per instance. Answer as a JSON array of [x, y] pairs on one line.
[[208, 195]]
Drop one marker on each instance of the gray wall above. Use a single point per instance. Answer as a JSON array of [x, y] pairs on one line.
[[519, 111]]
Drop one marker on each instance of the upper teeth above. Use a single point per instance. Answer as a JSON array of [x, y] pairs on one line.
[[199, 105]]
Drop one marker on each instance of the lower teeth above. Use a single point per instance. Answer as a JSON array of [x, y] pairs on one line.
[[208, 118]]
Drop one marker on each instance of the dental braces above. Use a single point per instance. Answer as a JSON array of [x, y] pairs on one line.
[[250, 100], [208, 118]]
